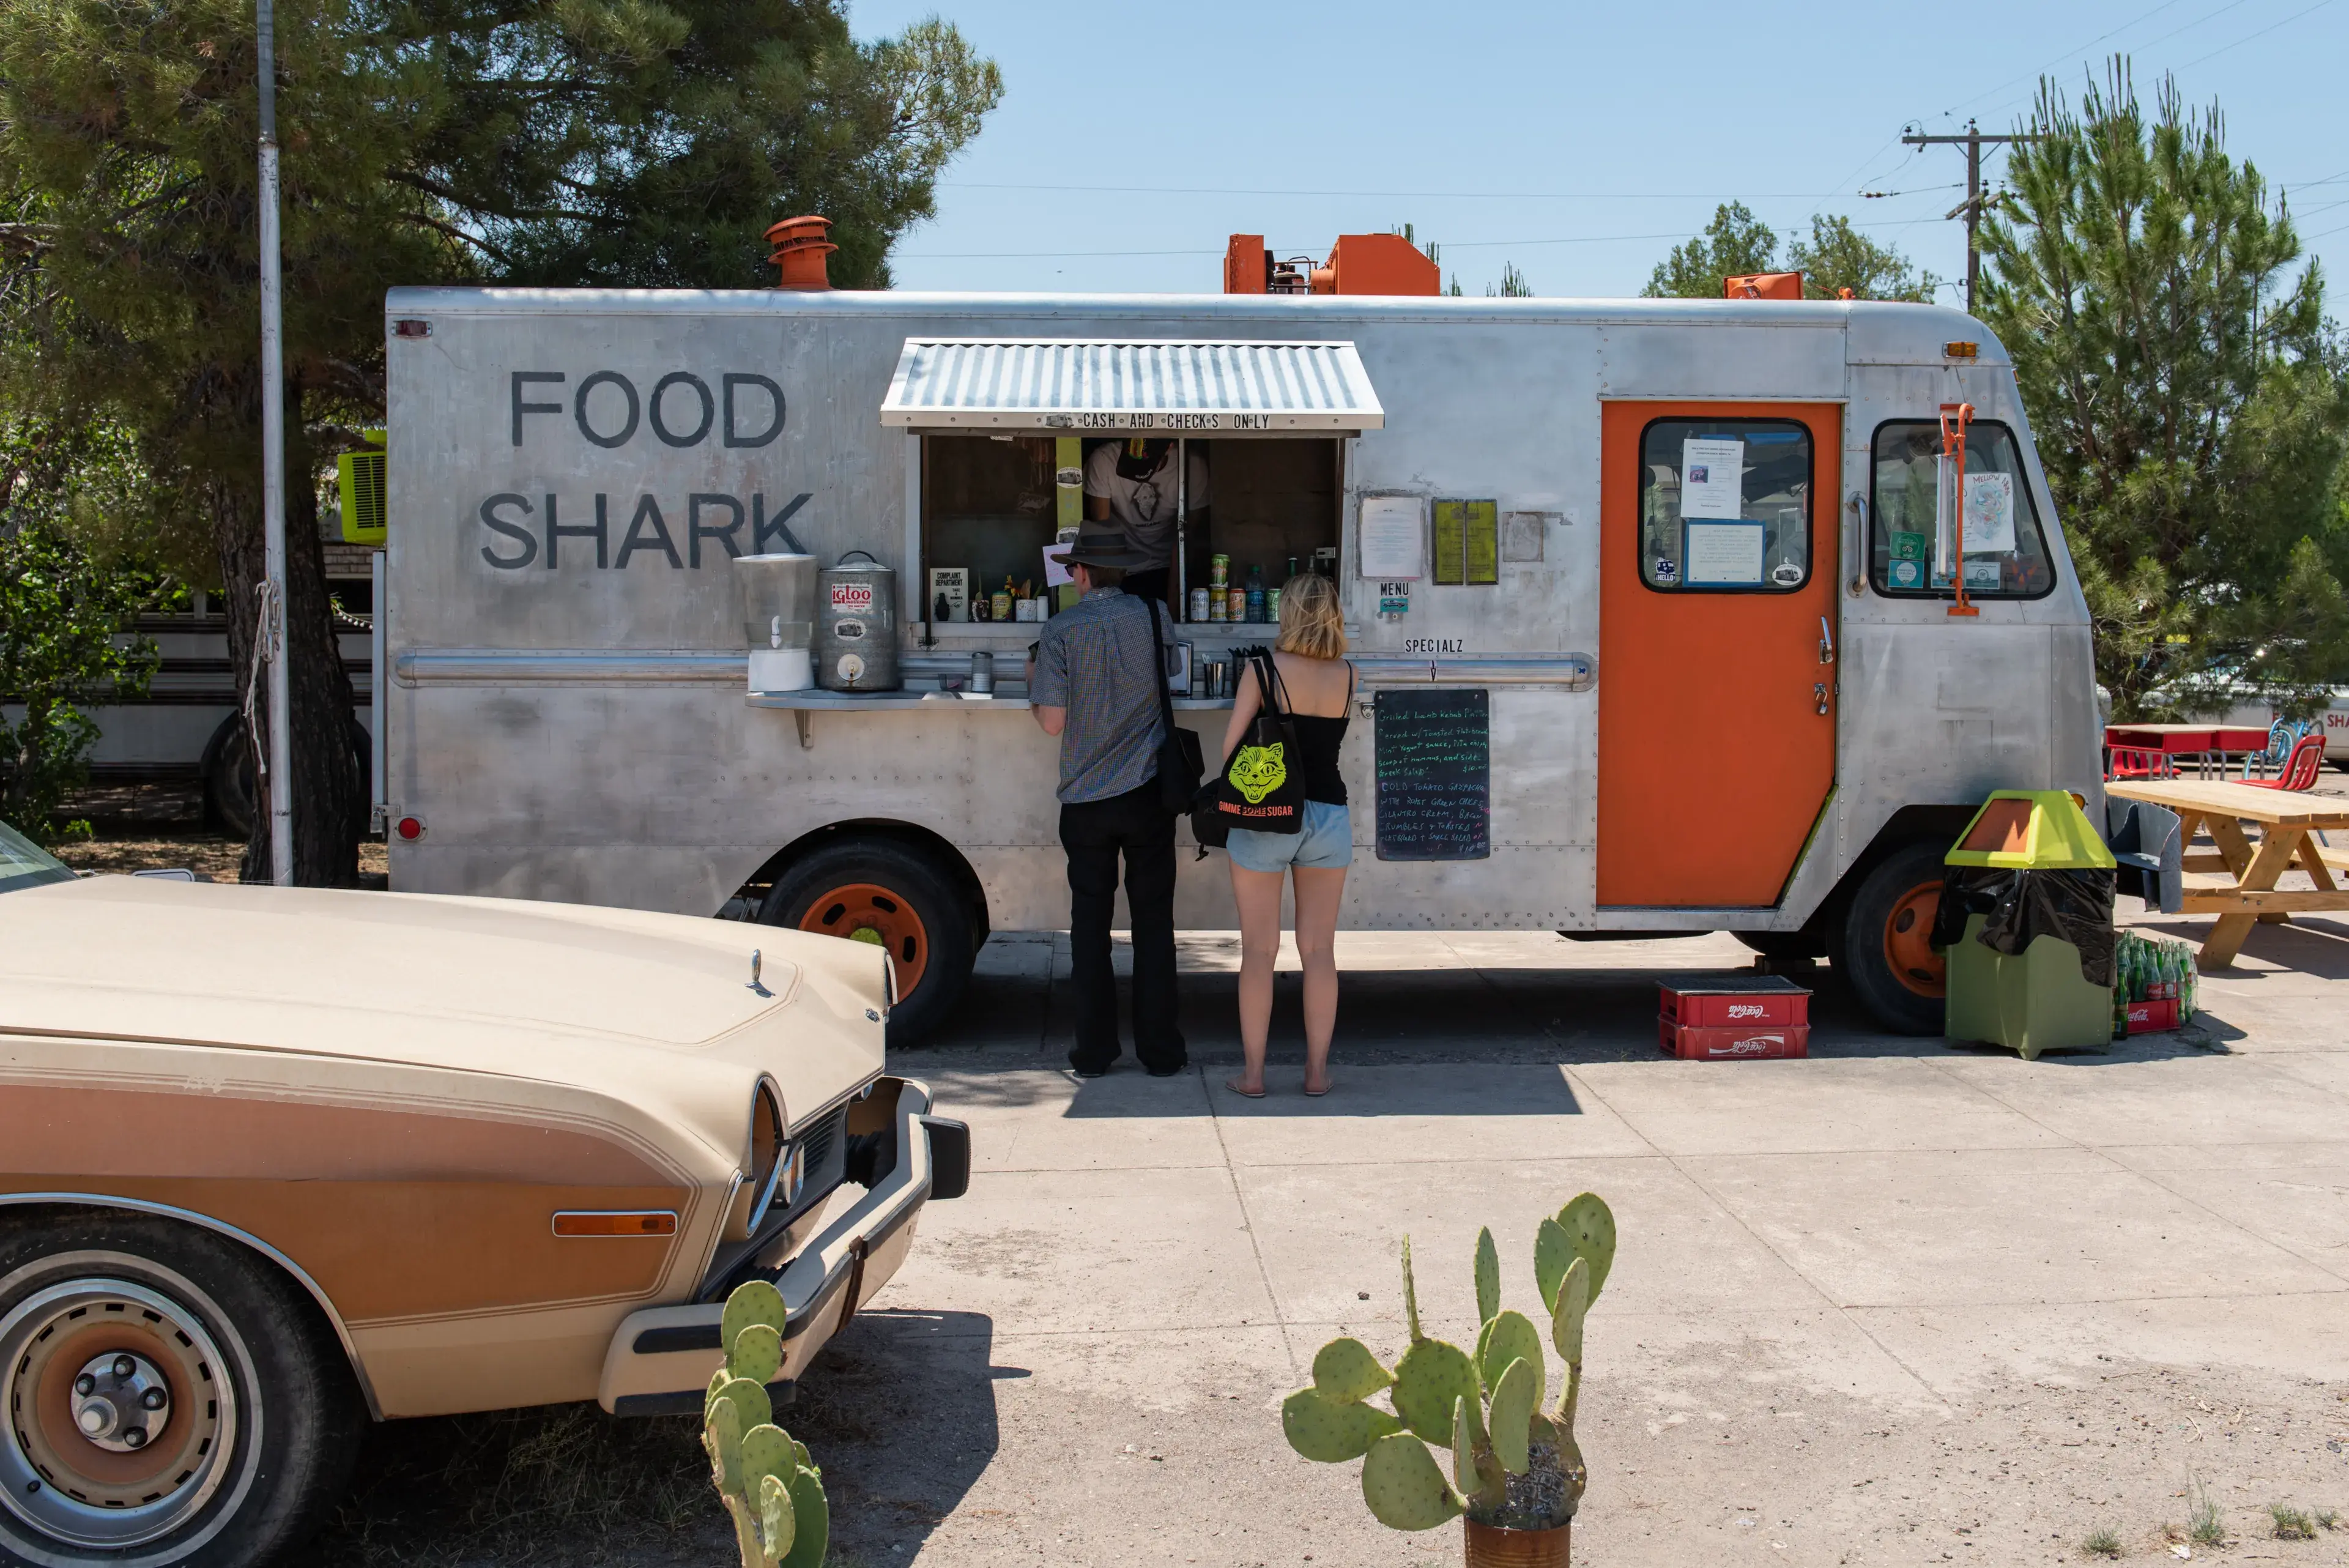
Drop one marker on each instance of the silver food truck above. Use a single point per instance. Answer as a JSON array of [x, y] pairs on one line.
[[1671, 616]]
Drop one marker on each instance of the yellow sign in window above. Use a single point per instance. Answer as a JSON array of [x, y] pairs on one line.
[[1467, 541]]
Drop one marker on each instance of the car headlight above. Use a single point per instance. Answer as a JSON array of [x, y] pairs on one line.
[[777, 1165]]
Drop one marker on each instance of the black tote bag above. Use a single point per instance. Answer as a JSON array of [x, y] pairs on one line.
[[1262, 787], [1180, 760]]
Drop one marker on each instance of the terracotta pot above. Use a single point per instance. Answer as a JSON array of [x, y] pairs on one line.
[[1490, 1546]]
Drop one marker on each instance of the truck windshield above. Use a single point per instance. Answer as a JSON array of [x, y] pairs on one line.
[[1916, 547], [23, 865]]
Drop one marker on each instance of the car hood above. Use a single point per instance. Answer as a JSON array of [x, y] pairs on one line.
[[649, 1009]]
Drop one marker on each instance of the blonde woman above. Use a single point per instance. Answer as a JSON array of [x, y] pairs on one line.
[[1317, 681]]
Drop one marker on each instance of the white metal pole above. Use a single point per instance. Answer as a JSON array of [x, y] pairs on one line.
[[273, 472]]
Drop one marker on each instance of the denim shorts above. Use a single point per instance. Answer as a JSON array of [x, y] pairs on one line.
[[1325, 843]]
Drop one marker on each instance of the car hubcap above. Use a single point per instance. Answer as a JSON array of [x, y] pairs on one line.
[[1909, 940], [120, 1415], [864, 912]]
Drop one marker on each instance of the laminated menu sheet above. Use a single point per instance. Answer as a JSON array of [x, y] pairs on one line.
[[1713, 477]]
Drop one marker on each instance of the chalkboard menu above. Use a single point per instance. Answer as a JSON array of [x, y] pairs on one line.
[[1432, 758]]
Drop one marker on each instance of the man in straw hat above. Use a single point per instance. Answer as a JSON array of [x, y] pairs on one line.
[[1090, 682]]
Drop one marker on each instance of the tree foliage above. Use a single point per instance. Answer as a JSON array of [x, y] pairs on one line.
[[593, 142], [2188, 405], [1831, 257], [64, 605]]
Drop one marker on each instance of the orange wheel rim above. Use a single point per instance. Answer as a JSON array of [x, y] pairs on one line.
[[868, 912], [1909, 940]]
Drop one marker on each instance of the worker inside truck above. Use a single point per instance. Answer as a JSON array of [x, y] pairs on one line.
[[1132, 482]]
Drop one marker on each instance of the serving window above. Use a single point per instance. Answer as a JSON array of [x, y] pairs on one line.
[[1917, 548], [1725, 505], [992, 505]]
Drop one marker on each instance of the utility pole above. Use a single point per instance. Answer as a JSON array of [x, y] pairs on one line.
[[271, 634], [1973, 140]]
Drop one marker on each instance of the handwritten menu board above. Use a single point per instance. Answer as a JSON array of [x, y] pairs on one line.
[[1432, 752]]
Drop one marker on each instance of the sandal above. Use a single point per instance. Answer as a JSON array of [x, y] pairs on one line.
[[1233, 1085]]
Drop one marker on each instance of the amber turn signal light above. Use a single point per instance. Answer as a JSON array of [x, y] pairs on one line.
[[634, 1222], [1961, 351]]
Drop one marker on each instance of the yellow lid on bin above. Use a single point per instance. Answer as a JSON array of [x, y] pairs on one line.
[[2032, 830]]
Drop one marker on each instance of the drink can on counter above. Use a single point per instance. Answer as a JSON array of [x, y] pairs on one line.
[[1218, 604], [1198, 604], [1235, 602], [1219, 570], [1272, 603]]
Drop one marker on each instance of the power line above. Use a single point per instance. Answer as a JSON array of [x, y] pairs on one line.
[[1426, 195], [2210, 16], [2263, 33], [2060, 59]]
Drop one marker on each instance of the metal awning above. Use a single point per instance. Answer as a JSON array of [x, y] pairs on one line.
[[1113, 384]]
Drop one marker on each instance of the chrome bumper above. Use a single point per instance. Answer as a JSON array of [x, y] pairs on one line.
[[661, 1358]]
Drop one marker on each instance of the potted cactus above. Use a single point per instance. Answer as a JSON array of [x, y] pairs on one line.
[[1516, 1470], [773, 1493]]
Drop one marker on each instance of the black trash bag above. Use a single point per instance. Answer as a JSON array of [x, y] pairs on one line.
[[2072, 906]]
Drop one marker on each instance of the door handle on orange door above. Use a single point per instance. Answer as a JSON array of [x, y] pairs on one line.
[[1826, 643], [1819, 692]]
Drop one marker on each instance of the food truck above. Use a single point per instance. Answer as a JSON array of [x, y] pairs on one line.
[[1671, 616]]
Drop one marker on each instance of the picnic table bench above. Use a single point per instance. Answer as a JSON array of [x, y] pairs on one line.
[[2236, 880]]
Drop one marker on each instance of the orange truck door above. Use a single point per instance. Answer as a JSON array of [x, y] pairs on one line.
[[1716, 711]]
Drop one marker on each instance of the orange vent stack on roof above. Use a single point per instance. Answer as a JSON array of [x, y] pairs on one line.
[[800, 251], [1358, 263], [1763, 285]]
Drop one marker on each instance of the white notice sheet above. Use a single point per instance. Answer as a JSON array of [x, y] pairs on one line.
[[1724, 554], [1394, 538], [1713, 477], [1989, 514]]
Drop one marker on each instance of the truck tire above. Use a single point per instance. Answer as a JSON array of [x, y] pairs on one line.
[[167, 1397], [1886, 950], [882, 891], [230, 792]]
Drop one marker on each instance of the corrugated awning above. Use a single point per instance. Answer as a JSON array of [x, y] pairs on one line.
[[1106, 384]]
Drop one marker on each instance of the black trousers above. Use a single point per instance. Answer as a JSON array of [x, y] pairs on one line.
[[1095, 833]]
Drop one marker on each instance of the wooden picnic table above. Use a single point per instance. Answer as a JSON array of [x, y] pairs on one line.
[[2243, 892], [2188, 739]]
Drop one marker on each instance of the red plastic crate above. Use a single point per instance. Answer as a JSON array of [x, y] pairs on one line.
[[1733, 1042], [1733, 1001], [2152, 1017]]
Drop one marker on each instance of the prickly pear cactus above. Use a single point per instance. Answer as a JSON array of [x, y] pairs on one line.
[[1486, 1408], [772, 1493]]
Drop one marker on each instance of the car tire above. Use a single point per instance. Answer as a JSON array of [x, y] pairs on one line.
[[1885, 952], [230, 791], [888, 893], [107, 1318]]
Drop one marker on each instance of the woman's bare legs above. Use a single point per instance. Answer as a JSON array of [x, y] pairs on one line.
[[1319, 893], [1257, 893]]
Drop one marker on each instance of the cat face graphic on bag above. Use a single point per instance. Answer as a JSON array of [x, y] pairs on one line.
[[1257, 771]]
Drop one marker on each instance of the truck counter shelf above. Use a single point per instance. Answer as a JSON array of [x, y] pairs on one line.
[[1652, 601]]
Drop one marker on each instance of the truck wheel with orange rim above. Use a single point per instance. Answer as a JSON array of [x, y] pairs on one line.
[[888, 894], [1887, 951], [166, 1397]]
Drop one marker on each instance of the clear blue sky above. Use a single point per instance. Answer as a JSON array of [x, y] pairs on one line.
[[1580, 143]]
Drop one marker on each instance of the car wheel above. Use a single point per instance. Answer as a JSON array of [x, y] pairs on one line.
[[167, 1398], [1886, 949], [229, 788], [882, 891]]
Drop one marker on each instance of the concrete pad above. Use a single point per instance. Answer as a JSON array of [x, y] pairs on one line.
[[1687, 1363], [1994, 1227], [1330, 1237], [2294, 1195], [1417, 1114], [2326, 1071], [1961, 1351], [1804, 1106], [1090, 1250], [1041, 1120], [2198, 1099]]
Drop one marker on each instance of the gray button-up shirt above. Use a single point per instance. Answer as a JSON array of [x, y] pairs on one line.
[[1095, 663]]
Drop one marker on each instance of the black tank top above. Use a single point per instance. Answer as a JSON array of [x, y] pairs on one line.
[[1318, 740]]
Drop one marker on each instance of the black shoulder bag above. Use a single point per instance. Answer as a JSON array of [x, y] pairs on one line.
[[1180, 763], [1262, 787]]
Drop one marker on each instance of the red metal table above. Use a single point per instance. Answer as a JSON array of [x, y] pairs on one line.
[[2204, 742]]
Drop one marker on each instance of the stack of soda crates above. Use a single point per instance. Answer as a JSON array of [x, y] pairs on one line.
[[1732, 1017], [2155, 986]]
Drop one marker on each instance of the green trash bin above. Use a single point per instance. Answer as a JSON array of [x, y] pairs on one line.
[[2032, 873]]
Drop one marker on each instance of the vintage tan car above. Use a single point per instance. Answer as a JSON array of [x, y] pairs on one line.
[[276, 1160]]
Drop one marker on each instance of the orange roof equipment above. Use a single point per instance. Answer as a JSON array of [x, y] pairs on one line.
[[1763, 285], [1358, 263]]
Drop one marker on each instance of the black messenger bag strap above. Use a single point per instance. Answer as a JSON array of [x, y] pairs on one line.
[[1179, 760]]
